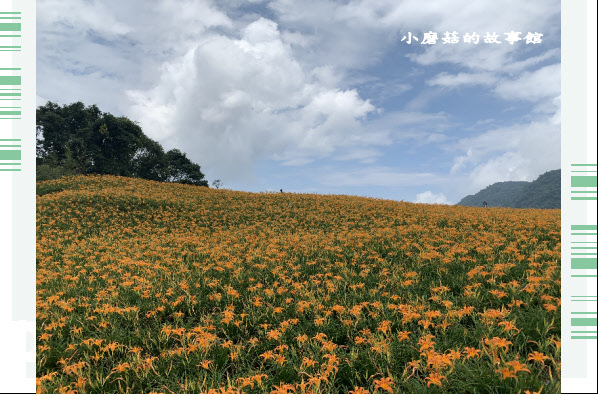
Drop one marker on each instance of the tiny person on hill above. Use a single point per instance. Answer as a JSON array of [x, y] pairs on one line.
[[485, 204]]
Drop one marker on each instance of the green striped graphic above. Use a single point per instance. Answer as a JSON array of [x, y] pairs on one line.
[[7, 113], [10, 27], [584, 181], [10, 23], [589, 321], [10, 94], [584, 248], [584, 227], [10, 155], [10, 80], [583, 264], [584, 321]]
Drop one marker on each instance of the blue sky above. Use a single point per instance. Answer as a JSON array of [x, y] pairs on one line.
[[320, 96]]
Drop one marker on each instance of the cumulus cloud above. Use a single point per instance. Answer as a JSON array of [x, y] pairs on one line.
[[428, 197], [238, 100], [93, 50], [299, 84]]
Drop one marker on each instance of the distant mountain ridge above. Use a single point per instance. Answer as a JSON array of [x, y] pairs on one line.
[[544, 193]]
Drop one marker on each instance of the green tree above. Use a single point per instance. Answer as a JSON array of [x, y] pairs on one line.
[[62, 129], [150, 162], [75, 139], [183, 170], [112, 145]]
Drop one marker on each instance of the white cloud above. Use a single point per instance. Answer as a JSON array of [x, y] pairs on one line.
[[80, 16], [428, 197], [535, 86], [411, 127], [483, 17], [541, 87], [355, 34], [365, 155], [447, 80], [377, 176], [215, 80], [93, 50], [519, 65], [233, 101], [514, 153], [342, 35]]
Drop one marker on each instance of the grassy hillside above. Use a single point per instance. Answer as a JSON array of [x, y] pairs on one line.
[[152, 287], [544, 192]]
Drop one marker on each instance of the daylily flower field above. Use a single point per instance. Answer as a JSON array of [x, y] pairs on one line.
[[147, 287]]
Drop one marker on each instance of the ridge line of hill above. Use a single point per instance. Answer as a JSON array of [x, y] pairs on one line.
[[543, 193]]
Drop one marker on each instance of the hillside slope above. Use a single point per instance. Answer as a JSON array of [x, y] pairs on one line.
[[145, 286], [500, 194], [544, 192]]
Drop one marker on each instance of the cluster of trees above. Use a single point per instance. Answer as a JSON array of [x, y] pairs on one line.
[[75, 139], [499, 194], [544, 192]]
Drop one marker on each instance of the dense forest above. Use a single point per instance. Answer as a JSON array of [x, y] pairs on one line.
[[544, 192], [75, 139]]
